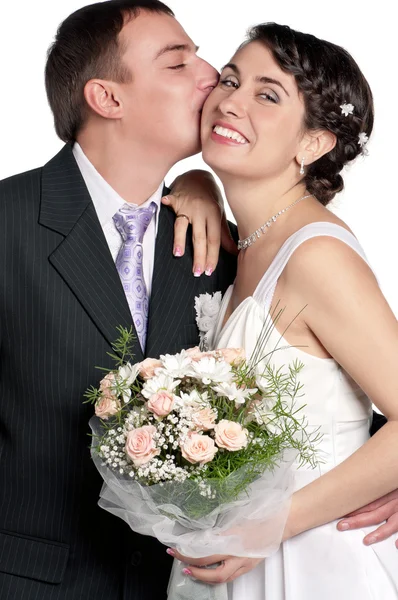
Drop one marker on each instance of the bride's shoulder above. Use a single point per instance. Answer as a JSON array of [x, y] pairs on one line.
[[326, 253]]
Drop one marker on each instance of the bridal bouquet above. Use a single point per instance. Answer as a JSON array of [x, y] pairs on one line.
[[195, 450]]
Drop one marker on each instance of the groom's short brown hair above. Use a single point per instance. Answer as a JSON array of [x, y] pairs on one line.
[[87, 46]]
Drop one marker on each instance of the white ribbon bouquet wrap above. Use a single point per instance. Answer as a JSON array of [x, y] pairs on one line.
[[195, 449]]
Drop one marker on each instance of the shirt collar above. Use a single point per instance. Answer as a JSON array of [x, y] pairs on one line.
[[105, 199]]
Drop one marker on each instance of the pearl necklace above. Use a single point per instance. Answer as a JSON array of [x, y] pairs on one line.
[[243, 244]]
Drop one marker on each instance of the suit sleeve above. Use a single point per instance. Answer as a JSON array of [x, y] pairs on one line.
[[377, 423]]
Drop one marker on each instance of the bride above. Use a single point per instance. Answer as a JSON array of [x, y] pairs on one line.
[[290, 111]]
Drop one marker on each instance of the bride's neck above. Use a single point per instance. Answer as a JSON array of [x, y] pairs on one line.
[[253, 203]]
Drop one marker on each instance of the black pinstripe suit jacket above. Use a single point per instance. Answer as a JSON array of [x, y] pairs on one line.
[[60, 303]]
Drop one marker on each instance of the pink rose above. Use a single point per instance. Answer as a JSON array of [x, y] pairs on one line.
[[106, 406], [233, 356], [230, 435], [107, 385], [194, 353], [204, 418], [140, 445], [148, 367], [161, 404], [198, 448]]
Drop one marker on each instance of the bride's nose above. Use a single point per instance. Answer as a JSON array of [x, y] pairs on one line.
[[233, 105]]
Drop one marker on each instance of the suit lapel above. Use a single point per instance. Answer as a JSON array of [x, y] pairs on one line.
[[83, 258], [173, 289]]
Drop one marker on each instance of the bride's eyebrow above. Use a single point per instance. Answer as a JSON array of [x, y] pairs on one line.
[[231, 66], [264, 79], [259, 78]]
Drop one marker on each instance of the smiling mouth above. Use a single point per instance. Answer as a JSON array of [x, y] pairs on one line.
[[230, 134]]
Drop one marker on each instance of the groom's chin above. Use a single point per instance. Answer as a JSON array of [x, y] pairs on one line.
[[195, 148]]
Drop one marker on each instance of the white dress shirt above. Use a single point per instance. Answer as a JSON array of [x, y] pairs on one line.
[[107, 202]]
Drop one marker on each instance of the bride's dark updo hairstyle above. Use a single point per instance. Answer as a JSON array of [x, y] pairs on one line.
[[327, 77]]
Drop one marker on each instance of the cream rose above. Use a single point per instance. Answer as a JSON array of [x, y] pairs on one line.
[[198, 448], [231, 436], [106, 406], [194, 353], [140, 445], [233, 356], [107, 385], [204, 418], [161, 404], [148, 367]]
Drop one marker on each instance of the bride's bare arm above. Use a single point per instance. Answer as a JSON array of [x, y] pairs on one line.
[[348, 313]]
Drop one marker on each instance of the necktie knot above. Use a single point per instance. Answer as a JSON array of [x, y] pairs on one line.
[[132, 222]]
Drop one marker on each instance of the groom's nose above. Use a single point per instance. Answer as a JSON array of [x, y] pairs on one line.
[[208, 77]]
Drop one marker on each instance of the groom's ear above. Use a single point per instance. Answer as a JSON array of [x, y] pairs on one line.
[[101, 96]]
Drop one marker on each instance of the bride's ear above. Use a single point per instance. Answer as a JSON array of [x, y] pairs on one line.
[[315, 143]]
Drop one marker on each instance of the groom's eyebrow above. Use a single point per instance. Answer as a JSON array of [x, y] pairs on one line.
[[259, 78], [176, 48]]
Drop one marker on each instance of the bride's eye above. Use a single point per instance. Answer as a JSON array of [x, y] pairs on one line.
[[229, 83], [270, 97]]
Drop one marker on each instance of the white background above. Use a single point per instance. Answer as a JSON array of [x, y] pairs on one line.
[[367, 30]]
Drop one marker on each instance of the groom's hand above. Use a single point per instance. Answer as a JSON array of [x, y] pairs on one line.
[[383, 512], [196, 199]]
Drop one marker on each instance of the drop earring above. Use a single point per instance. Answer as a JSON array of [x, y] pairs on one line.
[[302, 166]]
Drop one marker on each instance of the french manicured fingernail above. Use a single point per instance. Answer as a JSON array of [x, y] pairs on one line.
[[177, 251], [209, 271], [197, 272], [371, 540], [187, 572], [170, 551], [344, 526]]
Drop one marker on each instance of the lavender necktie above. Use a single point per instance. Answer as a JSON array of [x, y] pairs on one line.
[[132, 224]]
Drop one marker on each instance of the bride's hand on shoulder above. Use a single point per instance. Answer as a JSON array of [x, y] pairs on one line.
[[196, 199]]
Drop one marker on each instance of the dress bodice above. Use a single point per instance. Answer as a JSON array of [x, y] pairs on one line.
[[334, 403]]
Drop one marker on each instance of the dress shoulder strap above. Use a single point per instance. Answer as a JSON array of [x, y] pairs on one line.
[[266, 287]]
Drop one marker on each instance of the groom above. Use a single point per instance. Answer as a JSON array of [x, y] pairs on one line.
[[126, 89]]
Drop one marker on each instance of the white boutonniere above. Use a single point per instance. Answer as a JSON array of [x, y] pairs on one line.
[[207, 307]]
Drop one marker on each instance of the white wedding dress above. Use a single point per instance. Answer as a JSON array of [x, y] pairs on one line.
[[323, 563]]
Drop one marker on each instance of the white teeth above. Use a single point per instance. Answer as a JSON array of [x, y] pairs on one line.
[[229, 133]]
